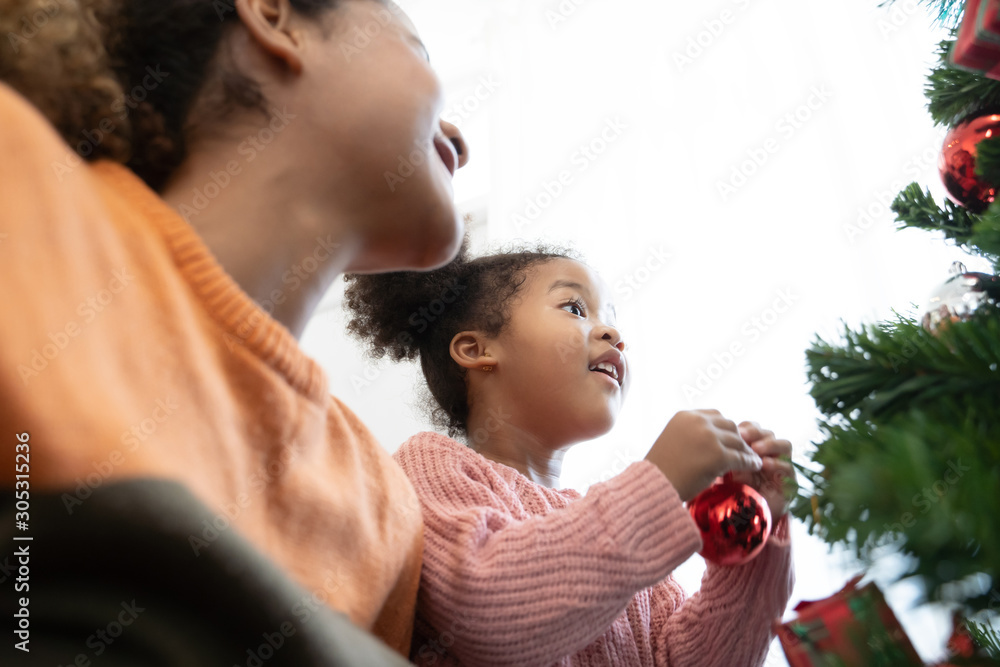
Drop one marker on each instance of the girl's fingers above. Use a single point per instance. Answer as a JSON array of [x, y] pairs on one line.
[[738, 455], [735, 461], [751, 431], [772, 464], [772, 447], [725, 425]]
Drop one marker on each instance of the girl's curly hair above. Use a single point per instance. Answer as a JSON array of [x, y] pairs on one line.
[[408, 314], [89, 65]]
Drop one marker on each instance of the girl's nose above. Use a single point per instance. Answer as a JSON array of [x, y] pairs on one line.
[[612, 335], [455, 136]]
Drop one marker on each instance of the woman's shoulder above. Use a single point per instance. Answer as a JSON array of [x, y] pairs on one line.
[[46, 188], [26, 134]]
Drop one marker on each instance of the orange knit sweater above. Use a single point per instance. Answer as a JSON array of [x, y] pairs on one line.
[[126, 352]]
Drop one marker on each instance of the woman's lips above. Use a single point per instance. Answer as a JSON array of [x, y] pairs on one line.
[[446, 150]]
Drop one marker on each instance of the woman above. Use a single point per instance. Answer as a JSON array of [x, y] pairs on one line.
[[150, 365]]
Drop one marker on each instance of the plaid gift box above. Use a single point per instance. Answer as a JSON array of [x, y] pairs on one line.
[[853, 627]]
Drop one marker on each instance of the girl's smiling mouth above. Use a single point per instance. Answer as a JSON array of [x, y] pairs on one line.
[[612, 364]]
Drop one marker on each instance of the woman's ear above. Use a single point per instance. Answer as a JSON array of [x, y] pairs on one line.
[[269, 24], [468, 349]]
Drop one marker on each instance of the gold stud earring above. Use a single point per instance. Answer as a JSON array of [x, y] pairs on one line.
[[487, 369]]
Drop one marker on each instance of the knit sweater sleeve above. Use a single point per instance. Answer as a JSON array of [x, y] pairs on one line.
[[533, 591], [728, 621]]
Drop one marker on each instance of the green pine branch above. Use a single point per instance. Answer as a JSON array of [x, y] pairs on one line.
[[986, 637], [988, 160], [954, 94], [949, 11], [978, 234], [910, 456], [986, 235], [881, 369]]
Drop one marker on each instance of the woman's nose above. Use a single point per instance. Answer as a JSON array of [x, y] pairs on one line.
[[455, 137]]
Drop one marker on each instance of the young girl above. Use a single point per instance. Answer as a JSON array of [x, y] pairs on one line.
[[523, 361], [181, 181]]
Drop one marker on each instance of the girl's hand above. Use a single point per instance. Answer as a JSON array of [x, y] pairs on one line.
[[776, 480], [696, 447]]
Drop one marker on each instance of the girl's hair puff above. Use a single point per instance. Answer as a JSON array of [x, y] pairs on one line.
[[410, 314]]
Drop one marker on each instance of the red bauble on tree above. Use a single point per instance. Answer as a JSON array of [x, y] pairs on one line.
[[734, 521], [957, 163]]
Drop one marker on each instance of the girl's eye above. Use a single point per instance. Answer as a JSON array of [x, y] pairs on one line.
[[576, 308]]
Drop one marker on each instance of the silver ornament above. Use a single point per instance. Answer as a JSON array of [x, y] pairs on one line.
[[960, 297]]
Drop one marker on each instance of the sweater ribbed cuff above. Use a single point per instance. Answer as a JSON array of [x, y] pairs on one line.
[[646, 520]]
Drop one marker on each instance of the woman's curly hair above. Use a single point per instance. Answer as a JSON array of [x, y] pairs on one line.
[[87, 65], [410, 314], [53, 52]]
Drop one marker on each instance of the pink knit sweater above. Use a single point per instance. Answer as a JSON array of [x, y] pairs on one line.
[[518, 574]]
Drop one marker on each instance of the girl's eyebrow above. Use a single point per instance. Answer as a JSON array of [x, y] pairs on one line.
[[566, 283]]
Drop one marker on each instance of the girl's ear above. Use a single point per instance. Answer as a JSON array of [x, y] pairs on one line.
[[269, 23], [468, 349]]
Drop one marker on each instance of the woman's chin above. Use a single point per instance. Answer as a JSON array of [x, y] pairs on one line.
[[423, 244], [440, 241]]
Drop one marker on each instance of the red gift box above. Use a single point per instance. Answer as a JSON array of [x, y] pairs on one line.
[[977, 47], [854, 626]]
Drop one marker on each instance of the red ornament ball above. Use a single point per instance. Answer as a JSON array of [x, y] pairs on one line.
[[734, 521], [957, 163]]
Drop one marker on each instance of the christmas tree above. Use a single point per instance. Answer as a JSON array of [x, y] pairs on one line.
[[909, 458]]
